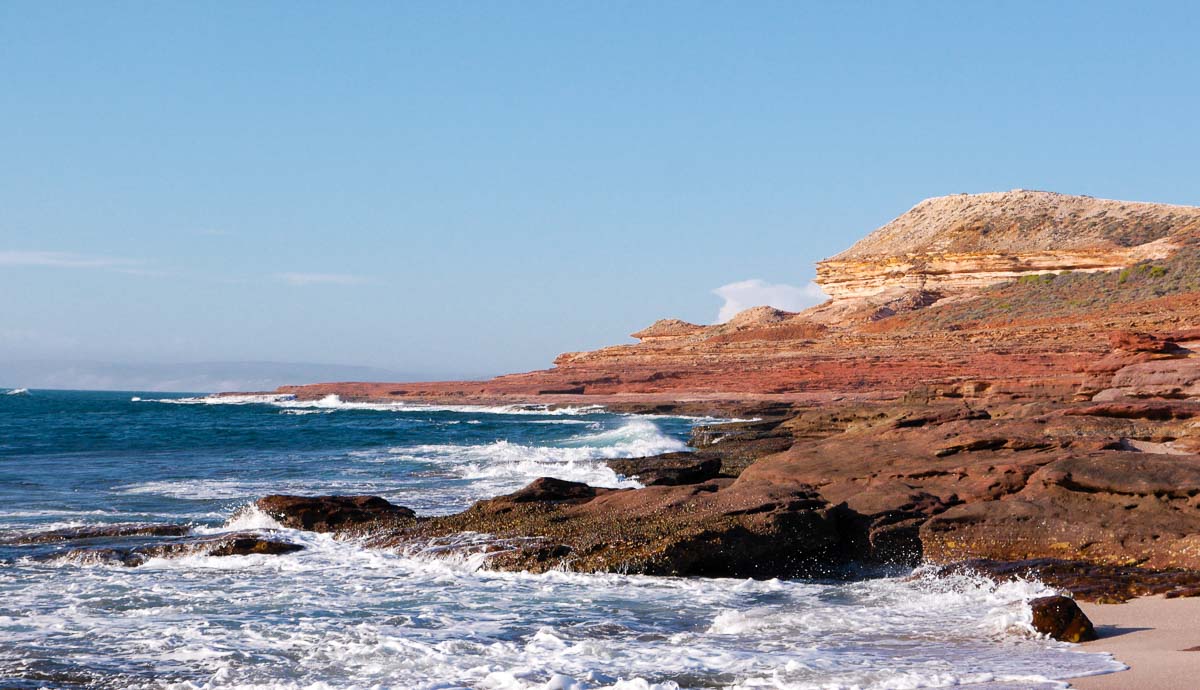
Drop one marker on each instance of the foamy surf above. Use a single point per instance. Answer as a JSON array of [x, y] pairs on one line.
[[337, 615]]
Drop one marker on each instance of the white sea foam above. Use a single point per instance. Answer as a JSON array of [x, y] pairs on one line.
[[18, 391], [256, 399], [334, 402], [225, 489], [339, 616], [482, 470], [503, 466]]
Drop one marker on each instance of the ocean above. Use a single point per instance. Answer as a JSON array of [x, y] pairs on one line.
[[338, 615]]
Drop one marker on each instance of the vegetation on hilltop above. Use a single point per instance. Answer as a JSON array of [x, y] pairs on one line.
[[1060, 295]]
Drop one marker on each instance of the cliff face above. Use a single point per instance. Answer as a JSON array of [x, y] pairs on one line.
[[961, 243]]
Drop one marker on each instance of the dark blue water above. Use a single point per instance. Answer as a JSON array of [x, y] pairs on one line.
[[66, 453], [337, 615]]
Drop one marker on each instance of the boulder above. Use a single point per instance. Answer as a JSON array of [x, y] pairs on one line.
[[330, 513], [1061, 618], [669, 469], [551, 490]]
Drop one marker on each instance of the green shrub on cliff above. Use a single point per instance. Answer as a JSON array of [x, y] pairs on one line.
[[1049, 295]]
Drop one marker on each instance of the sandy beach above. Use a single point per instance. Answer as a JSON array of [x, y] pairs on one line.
[[1158, 638]]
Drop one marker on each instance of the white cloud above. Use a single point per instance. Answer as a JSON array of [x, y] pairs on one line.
[[302, 279], [62, 260], [745, 294]]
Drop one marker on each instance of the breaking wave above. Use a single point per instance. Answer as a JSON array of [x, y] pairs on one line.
[[467, 472], [334, 402], [338, 615]]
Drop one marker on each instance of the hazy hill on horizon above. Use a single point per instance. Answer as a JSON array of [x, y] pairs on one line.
[[191, 377]]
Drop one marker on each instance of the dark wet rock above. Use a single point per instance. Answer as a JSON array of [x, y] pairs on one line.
[[330, 513], [230, 544], [89, 532], [738, 444], [1061, 618], [551, 490], [670, 469], [713, 529], [731, 433], [1103, 584], [247, 545]]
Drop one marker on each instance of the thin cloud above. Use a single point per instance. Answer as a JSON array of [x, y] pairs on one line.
[[42, 259], [303, 279], [745, 294]]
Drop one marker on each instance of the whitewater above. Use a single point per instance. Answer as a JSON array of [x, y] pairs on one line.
[[338, 615]]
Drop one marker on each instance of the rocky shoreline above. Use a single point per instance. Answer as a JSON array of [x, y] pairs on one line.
[[1007, 382]]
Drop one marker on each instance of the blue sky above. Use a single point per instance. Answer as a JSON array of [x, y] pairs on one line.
[[458, 189]]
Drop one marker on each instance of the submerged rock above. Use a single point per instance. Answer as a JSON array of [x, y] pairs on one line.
[[235, 544], [100, 556], [230, 544], [100, 532], [1062, 619]]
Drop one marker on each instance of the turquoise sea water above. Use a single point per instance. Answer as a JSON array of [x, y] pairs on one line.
[[337, 615]]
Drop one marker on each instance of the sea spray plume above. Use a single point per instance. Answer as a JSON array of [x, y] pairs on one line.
[[745, 294]]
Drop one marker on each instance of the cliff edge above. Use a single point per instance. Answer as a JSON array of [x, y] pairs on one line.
[[964, 242]]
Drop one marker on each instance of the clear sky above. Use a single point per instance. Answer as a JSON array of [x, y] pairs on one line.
[[466, 188]]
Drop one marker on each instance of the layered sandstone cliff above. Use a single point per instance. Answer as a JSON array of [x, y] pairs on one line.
[[960, 243]]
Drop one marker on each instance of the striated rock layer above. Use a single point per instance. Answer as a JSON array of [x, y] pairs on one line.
[[1007, 377], [969, 241]]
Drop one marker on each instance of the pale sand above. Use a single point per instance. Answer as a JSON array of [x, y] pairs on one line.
[[1148, 635]]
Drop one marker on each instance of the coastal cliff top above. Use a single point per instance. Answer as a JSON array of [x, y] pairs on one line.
[[1022, 221]]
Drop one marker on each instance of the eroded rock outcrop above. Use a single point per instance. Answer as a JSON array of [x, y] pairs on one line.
[[330, 513], [1060, 618]]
